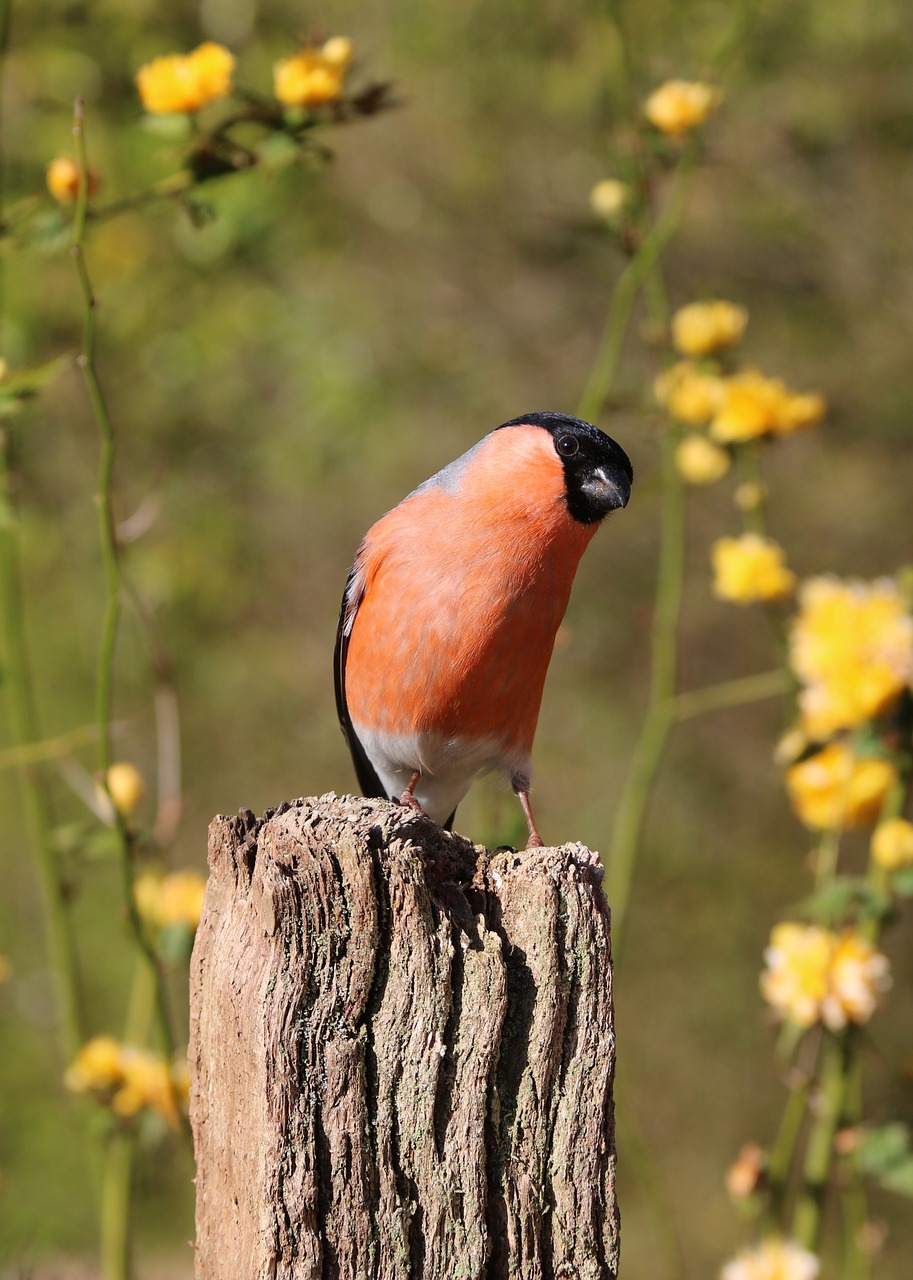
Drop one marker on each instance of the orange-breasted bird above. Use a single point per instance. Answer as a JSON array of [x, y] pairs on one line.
[[452, 605]]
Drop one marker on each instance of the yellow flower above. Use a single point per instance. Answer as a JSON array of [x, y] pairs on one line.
[[701, 328], [313, 76], [836, 788], [175, 899], [799, 410], [608, 198], [775, 1259], [186, 82], [97, 1066], [892, 844], [149, 1083], [678, 106], [859, 976], [750, 568], [131, 1079], [125, 787], [700, 461], [815, 975], [851, 645], [63, 180], [689, 394], [751, 406]]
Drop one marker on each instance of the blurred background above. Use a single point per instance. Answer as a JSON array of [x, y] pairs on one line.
[[282, 374]]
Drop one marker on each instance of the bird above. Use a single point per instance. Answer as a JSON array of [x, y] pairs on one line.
[[451, 608]]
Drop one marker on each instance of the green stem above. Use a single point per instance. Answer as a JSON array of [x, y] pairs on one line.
[[111, 562], [115, 1206], [784, 1146], [731, 693], [659, 718], [826, 857], [820, 1150], [24, 730]]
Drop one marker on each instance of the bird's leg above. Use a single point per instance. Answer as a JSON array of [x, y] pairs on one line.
[[535, 841], [408, 796]]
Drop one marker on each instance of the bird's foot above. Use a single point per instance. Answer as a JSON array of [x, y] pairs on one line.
[[408, 796], [535, 841]]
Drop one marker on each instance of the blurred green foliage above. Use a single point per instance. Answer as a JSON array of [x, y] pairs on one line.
[[282, 368]]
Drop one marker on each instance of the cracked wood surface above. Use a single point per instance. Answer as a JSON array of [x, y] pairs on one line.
[[402, 1054]]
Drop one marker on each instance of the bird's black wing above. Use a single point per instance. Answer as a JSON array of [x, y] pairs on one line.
[[368, 780]]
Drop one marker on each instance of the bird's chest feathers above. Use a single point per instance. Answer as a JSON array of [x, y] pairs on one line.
[[465, 617]]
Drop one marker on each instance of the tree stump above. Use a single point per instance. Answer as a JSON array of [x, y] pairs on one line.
[[402, 1053]]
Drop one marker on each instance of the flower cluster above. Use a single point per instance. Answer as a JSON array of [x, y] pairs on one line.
[[732, 408], [129, 1080], [185, 83], [816, 975]]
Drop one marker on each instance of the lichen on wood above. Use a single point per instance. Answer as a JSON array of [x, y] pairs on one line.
[[402, 1053]]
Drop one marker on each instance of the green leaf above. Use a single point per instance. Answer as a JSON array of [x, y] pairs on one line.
[[902, 882], [176, 943], [886, 1155], [848, 898], [24, 384], [174, 127]]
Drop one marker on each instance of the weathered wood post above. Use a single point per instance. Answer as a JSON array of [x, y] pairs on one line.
[[402, 1054]]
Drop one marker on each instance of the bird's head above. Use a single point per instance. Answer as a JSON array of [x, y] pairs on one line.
[[597, 471]]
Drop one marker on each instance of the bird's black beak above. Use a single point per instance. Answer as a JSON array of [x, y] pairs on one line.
[[607, 488]]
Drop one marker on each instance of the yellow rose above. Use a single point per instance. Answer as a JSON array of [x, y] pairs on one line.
[[678, 106], [892, 844], [750, 568], [750, 406], [700, 461], [815, 975], [186, 82], [97, 1066], [174, 899], [313, 76], [701, 328], [125, 787], [63, 180], [851, 645], [836, 788]]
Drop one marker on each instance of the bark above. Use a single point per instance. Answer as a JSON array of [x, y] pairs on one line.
[[402, 1053]]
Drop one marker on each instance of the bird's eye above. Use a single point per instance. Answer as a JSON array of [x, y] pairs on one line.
[[567, 446]]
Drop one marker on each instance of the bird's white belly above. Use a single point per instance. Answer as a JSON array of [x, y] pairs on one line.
[[448, 766]]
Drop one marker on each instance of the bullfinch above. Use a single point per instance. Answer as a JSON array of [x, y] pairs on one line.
[[451, 608]]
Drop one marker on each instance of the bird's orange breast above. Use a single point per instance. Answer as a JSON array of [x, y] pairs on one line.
[[464, 585]]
